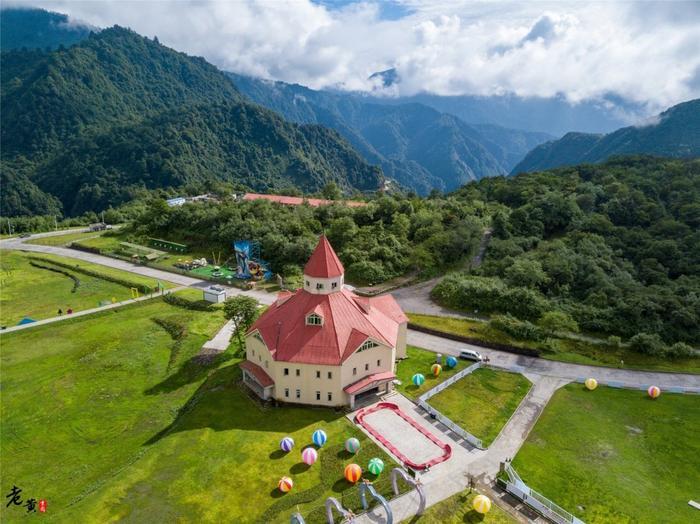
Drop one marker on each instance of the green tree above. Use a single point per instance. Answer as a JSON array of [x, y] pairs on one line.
[[557, 321], [242, 310]]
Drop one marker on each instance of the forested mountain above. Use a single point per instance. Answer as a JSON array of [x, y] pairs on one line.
[[418, 146], [615, 245], [675, 133], [93, 123], [38, 29]]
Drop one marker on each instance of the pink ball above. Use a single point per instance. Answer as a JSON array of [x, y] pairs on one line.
[[309, 456]]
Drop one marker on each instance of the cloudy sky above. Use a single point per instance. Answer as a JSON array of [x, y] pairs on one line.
[[648, 53]]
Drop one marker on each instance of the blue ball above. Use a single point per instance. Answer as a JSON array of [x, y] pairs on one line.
[[286, 444], [319, 437], [451, 362]]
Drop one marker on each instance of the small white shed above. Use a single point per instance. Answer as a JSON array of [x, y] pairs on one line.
[[215, 294]]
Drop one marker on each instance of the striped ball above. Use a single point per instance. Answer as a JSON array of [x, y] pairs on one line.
[[319, 437], [353, 472], [591, 383], [286, 444], [436, 369], [352, 445], [654, 391], [285, 485], [309, 456], [451, 362], [375, 466], [482, 504], [418, 379]]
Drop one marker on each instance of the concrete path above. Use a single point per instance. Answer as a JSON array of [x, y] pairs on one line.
[[221, 340], [551, 368], [82, 313]]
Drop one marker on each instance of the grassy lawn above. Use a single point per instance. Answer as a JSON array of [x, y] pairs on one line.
[[458, 509], [419, 361], [109, 418], [62, 240], [561, 349], [38, 293], [483, 401], [105, 242], [615, 455]]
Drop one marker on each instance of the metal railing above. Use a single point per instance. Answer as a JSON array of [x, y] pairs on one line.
[[454, 428], [536, 500]]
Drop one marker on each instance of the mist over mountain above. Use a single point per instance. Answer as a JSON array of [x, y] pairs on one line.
[[674, 133], [92, 124], [416, 145], [39, 29]]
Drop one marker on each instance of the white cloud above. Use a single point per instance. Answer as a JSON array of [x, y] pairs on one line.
[[647, 53]]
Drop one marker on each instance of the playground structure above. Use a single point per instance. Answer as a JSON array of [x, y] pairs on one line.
[[367, 487], [422, 466], [249, 265], [333, 504], [398, 473]]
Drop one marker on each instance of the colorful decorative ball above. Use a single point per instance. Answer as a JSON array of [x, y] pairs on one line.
[[353, 472], [654, 391], [309, 456], [319, 437], [436, 369], [591, 383], [482, 504], [375, 466], [285, 485], [352, 445], [451, 362], [286, 444], [418, 379]]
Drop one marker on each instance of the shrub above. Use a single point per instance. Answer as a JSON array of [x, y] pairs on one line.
[[681, 350], [614, 341], [199, 305], [518, 329], [647, 344]]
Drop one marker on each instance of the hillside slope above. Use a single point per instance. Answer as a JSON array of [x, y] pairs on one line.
[[415, 144], [675, 133], [93, 123]]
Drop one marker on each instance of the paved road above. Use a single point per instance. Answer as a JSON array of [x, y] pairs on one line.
[[551, 368], [158, 274]]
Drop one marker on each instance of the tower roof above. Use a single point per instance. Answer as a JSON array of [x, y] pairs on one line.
[[324, 263]]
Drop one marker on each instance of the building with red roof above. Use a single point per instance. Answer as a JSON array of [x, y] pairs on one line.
[[323, 344]]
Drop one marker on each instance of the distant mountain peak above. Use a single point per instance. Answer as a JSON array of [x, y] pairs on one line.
[[386, 78]]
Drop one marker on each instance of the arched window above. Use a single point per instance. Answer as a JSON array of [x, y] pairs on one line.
[[367, 344], [314, 320]]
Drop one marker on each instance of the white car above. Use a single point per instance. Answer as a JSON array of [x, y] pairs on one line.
[[469, 354]]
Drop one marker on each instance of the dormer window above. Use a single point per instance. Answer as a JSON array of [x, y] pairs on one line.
[[314, 320], [258, 337], [367, 344]]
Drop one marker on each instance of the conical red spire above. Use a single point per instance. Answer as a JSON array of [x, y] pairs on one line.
[[324, 263]]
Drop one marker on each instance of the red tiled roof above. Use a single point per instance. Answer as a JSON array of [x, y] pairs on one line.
[[368, 380], [259, 373], [324, 263], [297, 201], [346, 325]]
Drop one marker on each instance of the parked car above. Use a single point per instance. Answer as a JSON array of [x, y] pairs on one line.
[[469, 354], [25, 235]]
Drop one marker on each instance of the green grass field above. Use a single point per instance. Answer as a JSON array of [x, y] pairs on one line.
[[419, 361], [561, 349], [62, 240], [615, 455], [108, 418], [38, 293], [483, 401], [457, 509]]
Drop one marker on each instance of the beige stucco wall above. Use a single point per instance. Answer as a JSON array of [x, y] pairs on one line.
[[310, 284], [307, 381], [401, 341]]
